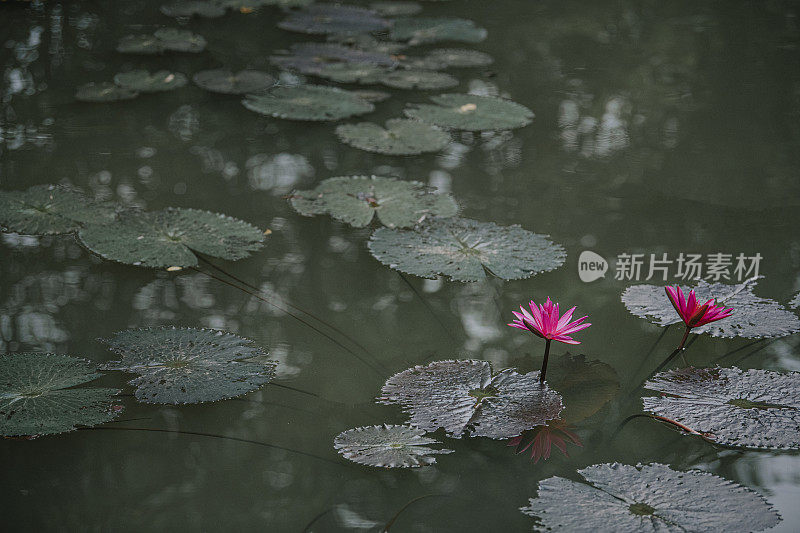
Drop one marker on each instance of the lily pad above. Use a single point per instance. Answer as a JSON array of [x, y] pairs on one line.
[[356, 199], [387, 446], [753, 317], [162, 40], [143, 81], [104, 92], [400, 137], [751, 409], [586, 386], [320, 19], [140, 44], [795, 303], [314, 58], [460, 57], [422, 30], [167, 238], [50, 210], [308, 102], [465, 399], [226, 82], [464, 250], [419, 79], [366, 43], [188, 365], [37, 398], [193, 8], [352, 73], [472, 113], [395, 8], [645, 498]]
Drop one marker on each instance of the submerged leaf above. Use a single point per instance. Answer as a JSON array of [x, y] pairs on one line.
[[104, 92], [319, 19], [401, 137], [752, 409], [753, 317], [387, 446], [36, 397], [460, 57], [50, 210], [188, 365], [645, 498], [143, 81], [356, 199], [308, 102], [586, 386], [418, 79], [465, 399], [472, 113], [422, 30], [193, 8], [167, 238], [226, 82], [464, 249]]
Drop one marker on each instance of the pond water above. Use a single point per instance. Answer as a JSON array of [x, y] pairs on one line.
[[660, 128]]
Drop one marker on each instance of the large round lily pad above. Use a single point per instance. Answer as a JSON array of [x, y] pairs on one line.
[[465, 399], [168, 238], [460, 57], [418, 79], [400, 137], [387, 446], [313, 58], [50, 210], [752, 408], [356, 199], [227, 82], [753, 317], [104, 92], [464, 250], [37, 398], [308, 102], [193, 8], [319, 19], [648, 498], [472, 113], [187, 365], [143, 81], [422, 30]]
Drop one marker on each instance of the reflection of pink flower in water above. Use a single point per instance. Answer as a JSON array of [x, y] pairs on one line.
[[692, 313], [541, 439]]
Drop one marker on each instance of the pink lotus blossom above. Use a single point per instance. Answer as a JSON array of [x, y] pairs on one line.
[[691, 312], [544, 321]]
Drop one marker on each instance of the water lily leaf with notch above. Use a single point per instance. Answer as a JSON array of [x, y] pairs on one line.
[[395, 9], [104, 92], [143, 81], [422, 30], [356, 199], [387, 446], [460, 57], [320, 19], [314, 58], [226, 82], [418, 79], [188, 365], [168, 238], [751, 409], [753, 317], [193, 8], [645, 498], [586, 386], [464, 249], [363, 73], [400, 137], [472, 113], [465, 399], [37, 398], [308, 102], [50, 210]]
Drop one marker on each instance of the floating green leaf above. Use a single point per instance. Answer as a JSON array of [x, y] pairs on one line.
[[315, 58], [472, 113], [753, 317], [752, 408], [308, 102], [460, 57], [422, 30], [162, 40], [50, 210], [465, 399], [464, 250], [36, 397], [187, 365], [104, 92], [395, 8], [143, 81], [400, 137], [356, 199], [318, 19], [586, 386], [167, 238], [418, 79], [193, 8], [387, 446], [226, 82], [646, 498], [140, 44], [366, 43]]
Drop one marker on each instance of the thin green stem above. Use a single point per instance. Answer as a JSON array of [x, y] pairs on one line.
[[544, 363], [685, 336]]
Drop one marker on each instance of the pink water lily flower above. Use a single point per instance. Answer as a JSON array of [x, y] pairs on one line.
[[693, 313]]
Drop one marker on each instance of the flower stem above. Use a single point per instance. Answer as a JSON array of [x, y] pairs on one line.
[[685, 336], [544, 363]]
